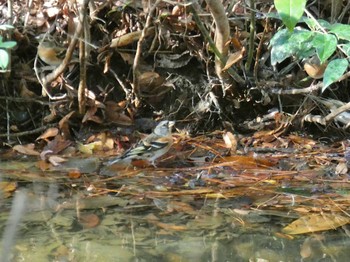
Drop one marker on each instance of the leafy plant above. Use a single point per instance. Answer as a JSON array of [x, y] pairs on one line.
[[321, 39], [290, 11], [4, 48]]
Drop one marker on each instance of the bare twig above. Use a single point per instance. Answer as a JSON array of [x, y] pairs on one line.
[[330, 117], [136, 73], [212, 45], [82, 58], [30, 132], [295, 91], [222, 34], [62, 67]]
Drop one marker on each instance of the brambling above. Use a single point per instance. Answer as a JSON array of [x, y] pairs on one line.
[[50, 53], [151, 147]]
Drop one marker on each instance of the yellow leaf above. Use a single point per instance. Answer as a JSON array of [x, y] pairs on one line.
[[6, 188], [314, 223]]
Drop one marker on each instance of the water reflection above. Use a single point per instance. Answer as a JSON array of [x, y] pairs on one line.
[[144, 232], [139, 220]]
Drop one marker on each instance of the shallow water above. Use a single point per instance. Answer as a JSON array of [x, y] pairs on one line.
[[55, 218]]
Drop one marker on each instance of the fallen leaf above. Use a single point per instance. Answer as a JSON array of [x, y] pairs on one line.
[[89, 220], [130, 38], [341, 168], [180, 207], [26, 149], [56, 160], [246, 161], [315, 222], [170, 226], [51, 132], [230, 141], [234, 58], [305, 249], [6, 188], [57, 145], [89, 148], [43, 165], [74, 174]]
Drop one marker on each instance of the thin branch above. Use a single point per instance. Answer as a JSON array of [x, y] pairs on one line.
[[212, 45], [136, 73]]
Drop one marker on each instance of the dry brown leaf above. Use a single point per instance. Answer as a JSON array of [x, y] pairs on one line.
[[63, 124], [26, 149], [56, 160], [127, 57], [89, 220], [74, 174], [315, 222], [114, 114], [24, 91], [57, 145], [149, 81], [234, 58], [180, 207], [341, 168], [89, 115], [51, 132], [6, 188], [246, 161], [130, 38], [301, 210], [230, 141], [170, 226], [305, 249], [236, 43], [43, 165], [302, 140]]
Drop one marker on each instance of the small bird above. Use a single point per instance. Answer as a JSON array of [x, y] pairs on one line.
[[151, 147], [51, 54]]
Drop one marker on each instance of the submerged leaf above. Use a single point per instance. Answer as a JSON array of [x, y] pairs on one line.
[[315, 222]]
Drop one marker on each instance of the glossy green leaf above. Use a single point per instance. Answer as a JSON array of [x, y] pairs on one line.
[[346, 49], [280, 50], [334, 71], [311, 23], [341, 31], [325, 45], [286, 44], [4, 59], [290, 11], [8, 44]]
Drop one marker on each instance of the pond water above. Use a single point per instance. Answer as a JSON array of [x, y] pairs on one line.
[[148, 215]]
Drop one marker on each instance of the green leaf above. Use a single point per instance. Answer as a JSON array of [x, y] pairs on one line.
[[311, 23], [6, 27], [8, 44], [4, 59], [325, 45], [301, 42], [290, 11], [278, 50], [334, 71], [286, 44], [346, 49], [341, 31]]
